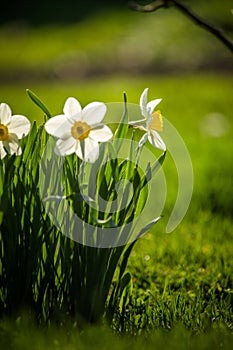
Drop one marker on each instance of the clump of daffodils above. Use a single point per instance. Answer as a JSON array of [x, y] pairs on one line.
[[106, 216], [12, 129]]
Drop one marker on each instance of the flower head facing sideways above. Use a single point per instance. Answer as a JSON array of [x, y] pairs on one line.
[[79, 130], [12, 129], [153, 121]]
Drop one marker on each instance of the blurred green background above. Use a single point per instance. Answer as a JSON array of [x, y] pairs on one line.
[[73, 40], [94, 51]]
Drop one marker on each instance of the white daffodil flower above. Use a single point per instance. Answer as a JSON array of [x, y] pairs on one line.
[[153, 122], [78, 125], [12, 129]]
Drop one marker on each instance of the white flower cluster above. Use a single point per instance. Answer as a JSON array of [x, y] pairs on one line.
[[79, 130]]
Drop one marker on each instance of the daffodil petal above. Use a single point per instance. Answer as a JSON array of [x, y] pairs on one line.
[[72, 109], [101, 134], [156, 140], [19, 125], [140, 127], [2, 151], [136, 122], [143, 98], [91, 150], [5, 114], [12, 145], [143, 102], [59, 126], [143, 140], [78, 150], [93, 113], [65, 147], [152, 104]]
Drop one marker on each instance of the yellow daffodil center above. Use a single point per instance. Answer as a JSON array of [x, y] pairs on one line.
[[80, 130], [3, 132], [157, 121]]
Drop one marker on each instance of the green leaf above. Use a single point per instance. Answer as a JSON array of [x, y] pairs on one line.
[[38, 102], [147, 227], [122, 129], [124, 290], [125, 259], [157, 165]]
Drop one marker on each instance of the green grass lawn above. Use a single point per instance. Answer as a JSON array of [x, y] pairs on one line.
[[182, 288]]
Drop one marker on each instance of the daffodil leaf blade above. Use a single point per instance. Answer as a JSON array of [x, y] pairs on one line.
[[125, 290], [140, 200], [158, 164], [125, 258], [39, 103], [148, 226], [29, 142], [122, 129]]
